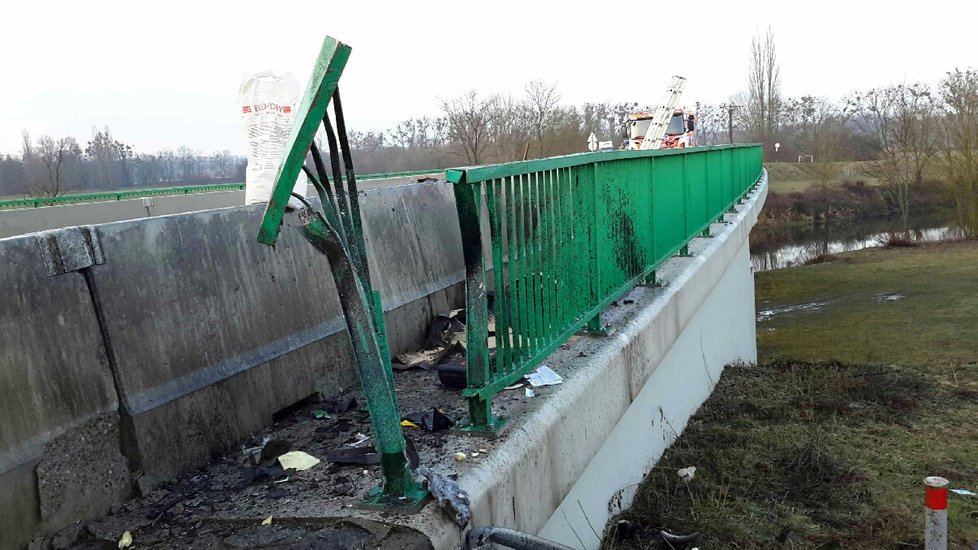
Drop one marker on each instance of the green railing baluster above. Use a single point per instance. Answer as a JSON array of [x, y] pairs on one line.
[[548, 256], [513, 297], [495, 201], [536, 240]]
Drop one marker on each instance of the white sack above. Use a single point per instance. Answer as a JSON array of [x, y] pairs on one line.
[[268, 103]]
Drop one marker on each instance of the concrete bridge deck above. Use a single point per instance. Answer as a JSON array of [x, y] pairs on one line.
[[558, 470]]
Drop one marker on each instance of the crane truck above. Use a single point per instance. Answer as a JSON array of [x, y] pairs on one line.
[[668, 127]]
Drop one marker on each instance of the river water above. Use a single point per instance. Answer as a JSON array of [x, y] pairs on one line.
[[780, 247]]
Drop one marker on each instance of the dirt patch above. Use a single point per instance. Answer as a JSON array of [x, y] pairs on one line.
[[222, 505]]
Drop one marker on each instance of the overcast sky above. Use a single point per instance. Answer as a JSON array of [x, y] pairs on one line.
[[165, 74]]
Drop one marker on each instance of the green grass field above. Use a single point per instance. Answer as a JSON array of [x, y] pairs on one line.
[[788, 177], [867, 383]]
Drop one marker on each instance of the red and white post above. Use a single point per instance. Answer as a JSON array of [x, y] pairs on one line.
[[935, 519]]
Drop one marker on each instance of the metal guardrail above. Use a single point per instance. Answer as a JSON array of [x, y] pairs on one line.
[[568, 236], [119, 195], [185, 190], [388, 175]]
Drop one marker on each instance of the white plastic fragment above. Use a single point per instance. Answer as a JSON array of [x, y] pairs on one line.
[[267, 521], [125, 541], [964, 492], [544, 376], [687, 473], [459, 457], [530, 392], [359, 439], [297, 460]]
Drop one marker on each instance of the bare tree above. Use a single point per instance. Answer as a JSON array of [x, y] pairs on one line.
[[54, 156], [470, 120], [189, 164], [222, 163], [762, 109], [959, 158], [32, 170], [168, 165], [510, 131], [904, 120], [110, 159], [819, 128], [542, 104], [711, 123]]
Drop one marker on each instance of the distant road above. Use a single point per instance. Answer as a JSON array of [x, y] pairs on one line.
[[95, 208]]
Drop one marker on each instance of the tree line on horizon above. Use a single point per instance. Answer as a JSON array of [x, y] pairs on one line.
[[52, 167], [899, 132]]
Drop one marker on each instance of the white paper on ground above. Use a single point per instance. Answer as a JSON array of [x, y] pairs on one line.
[[297, 460], [543, 376]]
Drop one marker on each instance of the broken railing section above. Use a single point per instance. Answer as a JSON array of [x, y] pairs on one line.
[[337, 232], [568, 236]]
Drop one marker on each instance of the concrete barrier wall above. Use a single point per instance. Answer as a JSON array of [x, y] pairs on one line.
[[55, 378], [187, 336]]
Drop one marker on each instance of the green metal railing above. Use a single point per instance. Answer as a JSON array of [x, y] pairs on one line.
[[568, 236], [118, 195], [389, 175], [185, 190]]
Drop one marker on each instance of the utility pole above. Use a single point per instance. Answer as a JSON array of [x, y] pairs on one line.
[[730, 112]]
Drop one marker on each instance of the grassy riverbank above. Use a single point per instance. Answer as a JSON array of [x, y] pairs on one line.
[[868, 382], [797, 196]]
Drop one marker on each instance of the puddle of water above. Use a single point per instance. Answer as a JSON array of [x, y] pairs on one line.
[[767, 314]]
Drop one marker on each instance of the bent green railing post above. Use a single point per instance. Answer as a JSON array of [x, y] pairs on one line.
[[377, 388], [468, 202], [339, 237]]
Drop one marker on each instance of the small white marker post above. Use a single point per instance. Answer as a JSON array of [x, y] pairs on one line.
[[935, 518]]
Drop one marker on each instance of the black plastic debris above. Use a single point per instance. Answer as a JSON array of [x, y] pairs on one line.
[[442, 328], [266, 473], [676, 541], [353, 455], [342, 425], [452, 374], [339, 406], [433, 420], [275, 448], [625, 529]]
